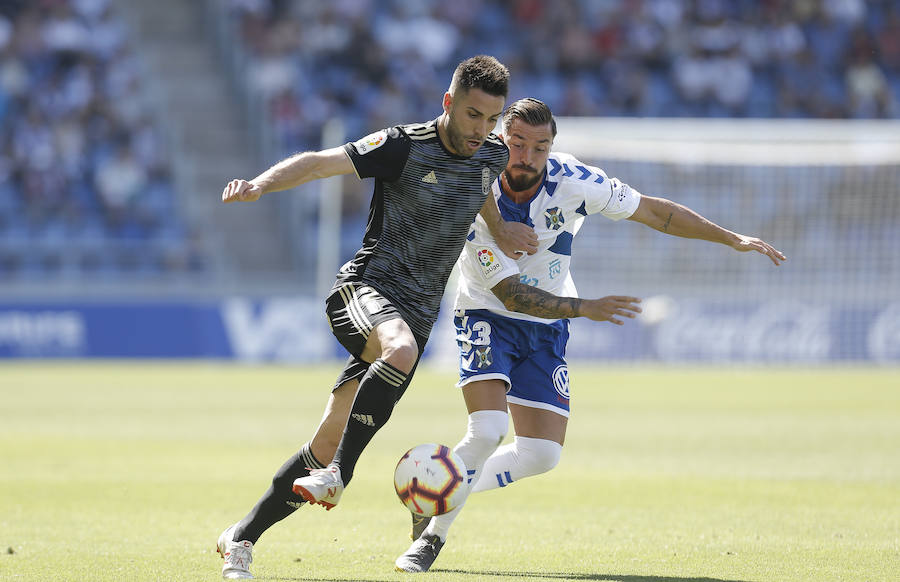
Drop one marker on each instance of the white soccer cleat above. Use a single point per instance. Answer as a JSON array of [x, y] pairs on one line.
[[322, 486], [237, 556]]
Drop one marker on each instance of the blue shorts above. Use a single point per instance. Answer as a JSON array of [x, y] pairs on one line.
[[528, 356]]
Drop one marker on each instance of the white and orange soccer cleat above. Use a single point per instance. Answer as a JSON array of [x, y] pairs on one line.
[[322, 486], [237, 556]]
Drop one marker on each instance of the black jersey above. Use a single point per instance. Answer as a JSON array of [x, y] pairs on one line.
[[424, 201]]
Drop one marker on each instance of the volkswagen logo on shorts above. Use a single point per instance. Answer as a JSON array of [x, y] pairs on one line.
[[561, 380]]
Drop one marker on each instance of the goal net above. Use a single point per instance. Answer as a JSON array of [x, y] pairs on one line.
[[826, 193]]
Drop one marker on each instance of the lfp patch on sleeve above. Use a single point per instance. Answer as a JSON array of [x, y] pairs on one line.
[[488, 261], [371, 142]]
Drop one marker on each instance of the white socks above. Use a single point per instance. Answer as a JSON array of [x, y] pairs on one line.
[[522, 458], [490, 467], [486, 430]]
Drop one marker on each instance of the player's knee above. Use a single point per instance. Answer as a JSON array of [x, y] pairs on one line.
[[397, 344], [401, 352], [484, 434], [540, 455], [488, 426]]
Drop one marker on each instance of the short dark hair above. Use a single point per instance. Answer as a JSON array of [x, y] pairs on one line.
[[531, 111], [481, 72]]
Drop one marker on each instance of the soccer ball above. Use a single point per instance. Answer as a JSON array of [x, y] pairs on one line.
[[430, 480]]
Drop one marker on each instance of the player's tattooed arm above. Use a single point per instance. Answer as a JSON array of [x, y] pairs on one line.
[[517, 296], [678, 220]]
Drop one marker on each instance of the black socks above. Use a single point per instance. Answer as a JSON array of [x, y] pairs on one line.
[[379, 390], [279, 501]]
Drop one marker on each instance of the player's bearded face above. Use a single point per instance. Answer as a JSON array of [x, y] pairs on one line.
[[529, 148], [521, 177]]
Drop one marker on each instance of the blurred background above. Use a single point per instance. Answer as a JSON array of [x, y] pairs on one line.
[[122, 120]]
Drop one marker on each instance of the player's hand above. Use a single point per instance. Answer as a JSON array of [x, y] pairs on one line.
[[515, 239], [609, 308], [749, 243], [241, 191]]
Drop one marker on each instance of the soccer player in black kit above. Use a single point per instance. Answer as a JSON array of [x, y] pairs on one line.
[[431, 179]]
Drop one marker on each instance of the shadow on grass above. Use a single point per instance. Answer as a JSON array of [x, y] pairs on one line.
[[476, 574], [575, 576], [307, 579]]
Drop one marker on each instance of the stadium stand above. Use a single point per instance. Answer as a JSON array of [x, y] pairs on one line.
[[377, 63], [88, 188], [86, 191], [123, 119]]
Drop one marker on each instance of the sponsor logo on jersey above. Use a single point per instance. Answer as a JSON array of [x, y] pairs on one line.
[[430, 178], [554, 218], [488, 261], [555, 268], [485, 180], [371, 142], [561, 381]]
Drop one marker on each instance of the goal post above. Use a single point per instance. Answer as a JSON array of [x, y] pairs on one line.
[[824, 192]]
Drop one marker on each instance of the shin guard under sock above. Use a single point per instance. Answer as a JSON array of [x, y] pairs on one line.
[[379, 390]]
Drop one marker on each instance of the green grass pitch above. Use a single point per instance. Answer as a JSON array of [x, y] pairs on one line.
[[129, 471]]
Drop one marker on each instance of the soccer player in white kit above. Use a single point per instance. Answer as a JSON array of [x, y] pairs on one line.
[[512, 315]]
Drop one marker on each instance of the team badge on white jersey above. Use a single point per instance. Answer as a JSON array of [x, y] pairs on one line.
[[554, 218]]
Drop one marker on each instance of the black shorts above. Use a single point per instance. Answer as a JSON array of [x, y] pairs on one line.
[[353, 311]]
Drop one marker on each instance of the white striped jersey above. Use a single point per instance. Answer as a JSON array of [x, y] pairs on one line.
[[569, 192]]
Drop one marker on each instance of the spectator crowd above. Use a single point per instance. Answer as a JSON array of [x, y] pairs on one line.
[[377, 63], [374, 63], [85, 182], [86, 186]]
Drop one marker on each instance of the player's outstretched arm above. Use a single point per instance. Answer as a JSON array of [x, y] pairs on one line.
[[673, 218], [517, 296], [288, 173], [514, 238]]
